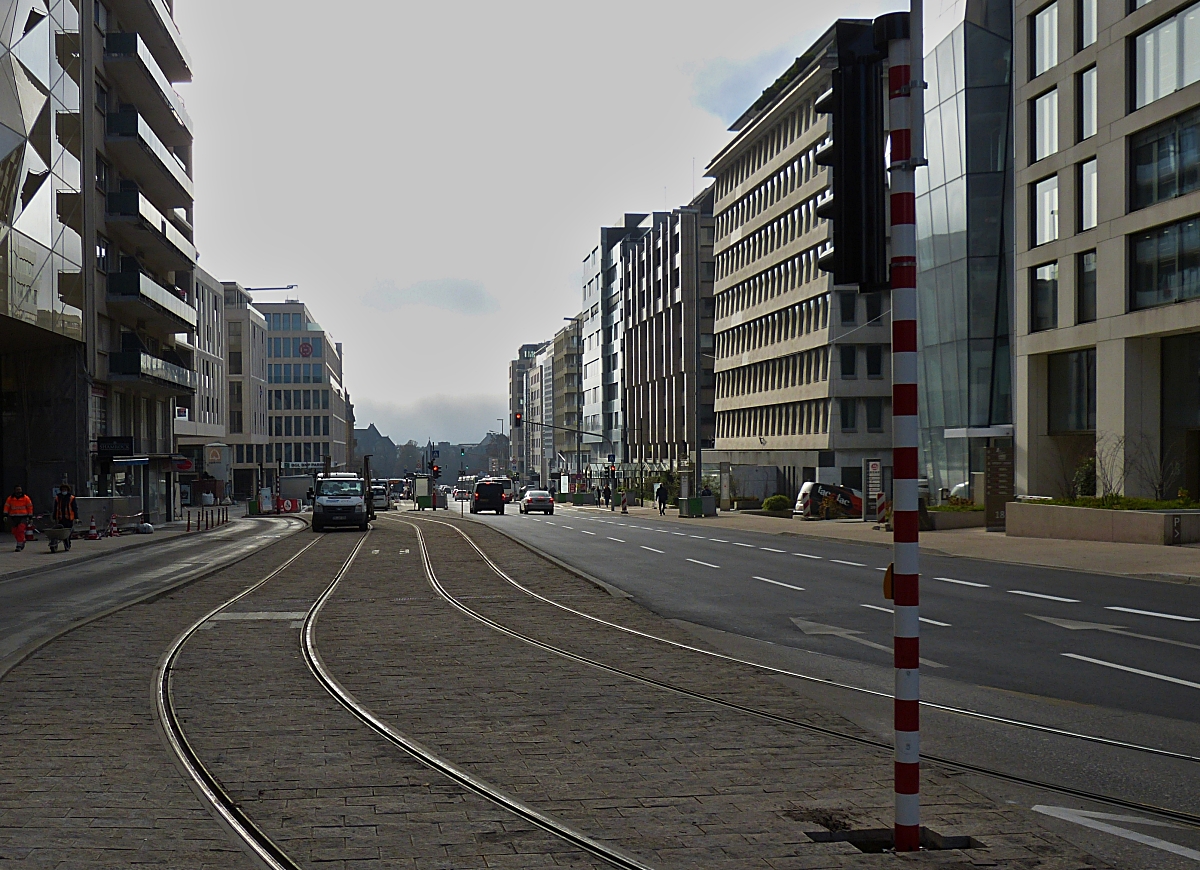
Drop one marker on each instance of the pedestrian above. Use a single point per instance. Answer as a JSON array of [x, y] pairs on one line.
[[607, 496], [65, 512], [18, 513], [706, 491], [661, 496], [597, 496]]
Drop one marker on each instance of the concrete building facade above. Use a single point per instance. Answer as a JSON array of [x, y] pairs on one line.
[[803, 379], [202, 418], [246, 375], [1108, 245], [569, 455], [539, 407], [518, 459]]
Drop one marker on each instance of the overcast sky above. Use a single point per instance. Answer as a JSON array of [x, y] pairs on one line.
[[433, 174]]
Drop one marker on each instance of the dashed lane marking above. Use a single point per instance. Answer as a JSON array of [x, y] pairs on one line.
[[962, 582], [852, 564], [586, 532], [1045, 597], [1154, 613], [1130, 670], [705, 564], [651, 549], [718, 541], [740, 544], [807, 556], [772, 550], [922, 618], [618, 540], [778, 583]]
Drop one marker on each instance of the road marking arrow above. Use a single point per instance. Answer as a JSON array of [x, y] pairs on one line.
[[1075, 625], [1092, 820], [818, 628]]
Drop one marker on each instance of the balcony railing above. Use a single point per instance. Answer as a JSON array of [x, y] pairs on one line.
[[159, 170], [152, 19], [129, 206], [141, 365], [131, 63], [144, 290]]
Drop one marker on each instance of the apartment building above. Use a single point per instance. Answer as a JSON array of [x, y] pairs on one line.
[[518, 461], [667, 276], [246, 368], [308, 408], [569, 455], [539, 409], [1108, 244], [803, 379], [202, 418]]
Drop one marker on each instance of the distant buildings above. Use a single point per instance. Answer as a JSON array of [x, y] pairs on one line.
[[246, 370], [517, 369]]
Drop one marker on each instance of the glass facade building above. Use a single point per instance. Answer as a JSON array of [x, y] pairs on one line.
[[965, 243]]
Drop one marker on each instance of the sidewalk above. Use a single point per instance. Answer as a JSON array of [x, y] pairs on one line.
[[1176, 564]]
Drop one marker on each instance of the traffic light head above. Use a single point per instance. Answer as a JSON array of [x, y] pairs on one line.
[[462, 451], [518, 419], [435, 471]]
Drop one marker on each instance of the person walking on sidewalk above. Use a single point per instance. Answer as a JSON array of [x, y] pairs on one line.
[[607, 497], [65, 512], [18, 513], [662, 499]]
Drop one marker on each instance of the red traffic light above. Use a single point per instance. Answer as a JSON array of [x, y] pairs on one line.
[[518, 418]]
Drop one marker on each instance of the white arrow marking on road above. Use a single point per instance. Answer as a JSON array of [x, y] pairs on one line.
[[705, 564], [777, 583], [1092, 820], [849, 634], [1155, 613], [1130, 670], [1072, 625], [1040, 595], [962, 582]]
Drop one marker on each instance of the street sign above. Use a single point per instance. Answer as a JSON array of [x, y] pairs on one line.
[[612, 457], [306, 349], [436, 453], [998, 486]]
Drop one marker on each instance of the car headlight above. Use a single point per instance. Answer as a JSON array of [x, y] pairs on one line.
[[359, 508], [318, 507]]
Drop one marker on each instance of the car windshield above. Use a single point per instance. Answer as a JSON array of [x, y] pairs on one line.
[[489, 488], [537, 493], [339, 487], [378, 490]]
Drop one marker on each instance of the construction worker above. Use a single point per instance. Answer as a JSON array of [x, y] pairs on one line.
[[18, 513], [65, 512]]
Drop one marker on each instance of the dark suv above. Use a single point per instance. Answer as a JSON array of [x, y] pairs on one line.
[[488, 496]]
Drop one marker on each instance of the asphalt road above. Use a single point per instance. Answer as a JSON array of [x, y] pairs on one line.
[[38, 606], [1114, 642]]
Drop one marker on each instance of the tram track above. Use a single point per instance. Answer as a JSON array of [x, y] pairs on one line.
[[1174, 815]]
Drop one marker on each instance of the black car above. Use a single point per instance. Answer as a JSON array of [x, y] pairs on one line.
[[488, 496]]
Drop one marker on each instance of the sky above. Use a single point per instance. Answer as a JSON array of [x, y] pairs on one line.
[[432, 175]]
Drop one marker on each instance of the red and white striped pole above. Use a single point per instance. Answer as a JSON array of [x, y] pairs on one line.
[[906, 569]]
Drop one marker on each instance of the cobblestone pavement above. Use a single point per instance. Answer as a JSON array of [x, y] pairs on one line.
[[84, 778], [678, 782]]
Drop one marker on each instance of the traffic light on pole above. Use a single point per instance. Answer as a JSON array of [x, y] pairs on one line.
[[854, 204], [435, 472], [518, 419]]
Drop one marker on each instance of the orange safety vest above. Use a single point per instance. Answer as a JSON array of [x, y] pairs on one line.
[[16, 507]]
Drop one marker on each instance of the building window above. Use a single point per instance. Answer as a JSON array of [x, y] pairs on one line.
[[874, 414], [849, 354], [103, 174], [103, 263], [1045, 125], [1166, 160], [1087, 22], [1166, 264], [1072, 391], [849, 302], [1085, 300], [1087, 195], [874, 361], [1087, 103], [1167, 57], [1045, 39], [1045, 211], [849, 407], [1043, 298], [874, 306]]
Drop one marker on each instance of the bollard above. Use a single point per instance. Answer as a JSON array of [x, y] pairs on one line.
[[189, 526]]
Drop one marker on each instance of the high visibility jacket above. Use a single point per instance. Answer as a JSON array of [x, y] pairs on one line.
[[64, 508], [16, 507]]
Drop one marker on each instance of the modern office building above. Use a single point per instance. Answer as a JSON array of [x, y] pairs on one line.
[[518, 447], [965, 245], [308, 408], [246, 374], [202, 417], [569, 455], [667, 278], [539, 408], [803, 376], [1108, 244]]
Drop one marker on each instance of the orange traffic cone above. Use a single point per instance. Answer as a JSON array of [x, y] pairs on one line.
[[92, 534], [113, 531]]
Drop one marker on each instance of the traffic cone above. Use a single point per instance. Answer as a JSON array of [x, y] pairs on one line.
[[113, 531], [92, 534]]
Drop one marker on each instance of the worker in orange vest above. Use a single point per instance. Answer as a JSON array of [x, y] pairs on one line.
[[18, 513]]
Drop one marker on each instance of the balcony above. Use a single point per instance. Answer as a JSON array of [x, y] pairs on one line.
[[152, 19], [130, 64], [141, 227], [139, 297], [143, 155], [157, 375]]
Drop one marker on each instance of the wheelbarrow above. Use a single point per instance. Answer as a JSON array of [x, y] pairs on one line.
[[56, 535]]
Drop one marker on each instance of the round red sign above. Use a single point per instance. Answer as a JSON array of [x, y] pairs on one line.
[[305, 350]]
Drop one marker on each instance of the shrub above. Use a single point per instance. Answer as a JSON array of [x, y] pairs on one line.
[[1085, 478], [777, 503]]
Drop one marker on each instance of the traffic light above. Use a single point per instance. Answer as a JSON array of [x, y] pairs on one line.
[[462, 451], [854, 155], [518, 418], [435, 472]]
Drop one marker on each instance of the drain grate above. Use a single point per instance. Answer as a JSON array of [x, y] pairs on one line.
[[878, 840]]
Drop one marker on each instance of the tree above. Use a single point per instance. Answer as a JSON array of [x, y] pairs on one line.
[[1157, 470]]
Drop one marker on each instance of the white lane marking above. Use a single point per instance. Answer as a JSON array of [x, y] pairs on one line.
[[962, 582], [777, 583], [572, 528], [849, 634], [651, 549], [1137, 671], [740, 544], [536, 520], [1154, 613], [618, 540], [844, 562], [550, 523], [1090, 820], [1075, 625], [772, 550], [881, 569], [681, 534], [374, 552], [699, 537], [705, 564], [922, 618], [807, 556], [586, 532], [718, 541], [1040, 595]]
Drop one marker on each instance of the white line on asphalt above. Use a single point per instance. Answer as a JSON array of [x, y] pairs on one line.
[[651, 549], [718, 541], [777, 583], [877, 607], [586, 532], [1090, 820], [535, 519], [807, 556], [1137, 671], [572, 528], [705, 564], [771, 550], [881, 569], [550, 523], [681, 534], [740, 544], [1046, 597], [700, 537], [922, 618], [1155, 613], [844, 562], [618, 540], [962, 582]]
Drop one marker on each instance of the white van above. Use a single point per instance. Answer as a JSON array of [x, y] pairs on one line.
[[339, 500]]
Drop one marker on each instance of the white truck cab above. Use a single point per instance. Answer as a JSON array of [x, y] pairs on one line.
[[339, 500]]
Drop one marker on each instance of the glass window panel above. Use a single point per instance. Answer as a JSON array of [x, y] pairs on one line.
[[951, 140], [1045, 125], [1045, 197], [933, 147], [1085, 307], [1072, 391], [1045, 39], [956, 217], [848, 409], [983, 275], [987, 144], [1043, 298], [1157, 62], [1087, 22], [1190, 46], [1087, 195], [1087, 103], [849, 358]]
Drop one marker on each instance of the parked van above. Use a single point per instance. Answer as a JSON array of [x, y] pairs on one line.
[[340, 500]]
